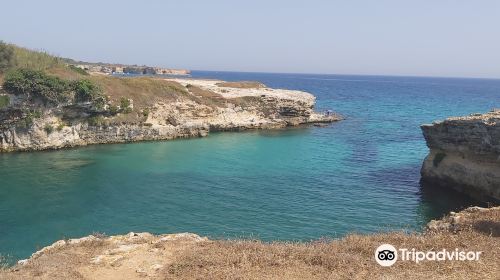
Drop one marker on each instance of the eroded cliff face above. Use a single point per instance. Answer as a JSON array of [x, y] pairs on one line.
[[465, 155], [199, 107]]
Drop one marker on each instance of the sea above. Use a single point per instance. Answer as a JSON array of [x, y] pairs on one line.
[[360, 175]]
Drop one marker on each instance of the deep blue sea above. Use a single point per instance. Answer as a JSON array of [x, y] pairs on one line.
[[358, 175]]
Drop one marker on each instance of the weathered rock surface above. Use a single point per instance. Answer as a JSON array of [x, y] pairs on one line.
[[204, 107], [465, 155], [477, 218]]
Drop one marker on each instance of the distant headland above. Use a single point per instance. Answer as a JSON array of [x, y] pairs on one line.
[[47, 102], [106, 68]]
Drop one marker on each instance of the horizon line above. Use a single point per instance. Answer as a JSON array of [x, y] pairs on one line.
[[337, 74], [262, 72]]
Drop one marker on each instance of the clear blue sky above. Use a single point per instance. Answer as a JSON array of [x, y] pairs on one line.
[[422, 37]]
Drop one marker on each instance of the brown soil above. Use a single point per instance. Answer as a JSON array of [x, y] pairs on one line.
[[187, 256]]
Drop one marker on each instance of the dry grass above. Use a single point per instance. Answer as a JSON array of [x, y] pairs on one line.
[[351, 257], [144, 91], [65, 72], [38, 60], [242, 84]]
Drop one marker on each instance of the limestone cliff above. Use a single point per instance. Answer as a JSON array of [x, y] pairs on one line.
[[167, 109], [465, 155]]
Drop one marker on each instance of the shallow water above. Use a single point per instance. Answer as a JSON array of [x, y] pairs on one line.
[[360, 175]]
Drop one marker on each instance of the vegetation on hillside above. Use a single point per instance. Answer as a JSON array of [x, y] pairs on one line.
[[6, 57], [4, 101], [52, 90], [38, 85], [37, 60], [88, 91], [52, 81], [41, 76]]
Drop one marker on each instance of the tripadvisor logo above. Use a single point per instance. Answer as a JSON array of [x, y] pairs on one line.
[[387, 255]]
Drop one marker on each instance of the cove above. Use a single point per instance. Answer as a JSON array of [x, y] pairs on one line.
[[358, 175]]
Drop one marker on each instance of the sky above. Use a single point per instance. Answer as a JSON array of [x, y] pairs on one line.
[[447, 38]]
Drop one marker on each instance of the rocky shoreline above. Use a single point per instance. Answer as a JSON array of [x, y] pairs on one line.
[[198, 108], [189, 256], [465, 155]]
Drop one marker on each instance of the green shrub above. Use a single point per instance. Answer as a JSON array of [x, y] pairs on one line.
[[7, 59], [113, 109], [29, 117], [51, 89], [48, 128], [125, 105], [37, 84], [438, 158], [88, 91], [127, 110], [60, 126], [145, 112], [4, 101], [36, 114], [124, 102]]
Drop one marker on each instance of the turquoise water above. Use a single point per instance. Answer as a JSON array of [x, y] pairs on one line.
[[358, 175]]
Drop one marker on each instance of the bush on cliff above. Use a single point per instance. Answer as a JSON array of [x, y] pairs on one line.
[[4, 101], [29, 117], [37, 84], [88, 91], [124, 102], [125, 105], [48, 128], [52, 90]]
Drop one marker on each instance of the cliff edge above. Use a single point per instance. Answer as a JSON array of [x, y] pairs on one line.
[[465, 155], [142, 109], [47, 103], [189, 256]]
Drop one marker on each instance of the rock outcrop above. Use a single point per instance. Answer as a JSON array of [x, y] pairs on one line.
[[199, 106], [465, 155]]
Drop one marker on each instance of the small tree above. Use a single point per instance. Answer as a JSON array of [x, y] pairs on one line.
[[7, 59]]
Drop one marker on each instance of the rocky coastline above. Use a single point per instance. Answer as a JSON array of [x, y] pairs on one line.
[[465, 155], [189, 256], [188, 108]]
